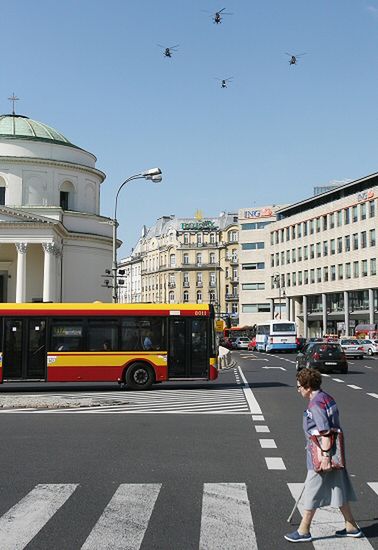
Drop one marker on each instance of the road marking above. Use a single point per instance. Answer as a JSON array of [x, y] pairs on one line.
[[326, 375], [366, 367], [354, 387], [226, 520], [326, 521], [337, 380], [257, 417], [275, 463], [282, 368], [268, 444], [125, 519], [374, 486], [21, 523], [373, 395], [262, 429], [254, 407]]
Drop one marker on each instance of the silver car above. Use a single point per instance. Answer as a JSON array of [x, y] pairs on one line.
[[352, 348], [242, 342], [370, 346]]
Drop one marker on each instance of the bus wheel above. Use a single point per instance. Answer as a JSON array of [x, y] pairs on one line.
[[139, 376]]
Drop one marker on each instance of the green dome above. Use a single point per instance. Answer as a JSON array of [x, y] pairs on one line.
[[18, 126]]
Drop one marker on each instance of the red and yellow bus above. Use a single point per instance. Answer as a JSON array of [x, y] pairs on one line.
[[132, 344]]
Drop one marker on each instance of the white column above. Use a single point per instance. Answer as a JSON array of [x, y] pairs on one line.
[[324, 315], [48, 272], [371, 306], [21, 272], [305, 320], [346, 312], [271, 301], [288, 312]]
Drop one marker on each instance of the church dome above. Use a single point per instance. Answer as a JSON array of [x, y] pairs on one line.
[[19, 127]]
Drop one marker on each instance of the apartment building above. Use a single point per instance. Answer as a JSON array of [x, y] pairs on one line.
[[187, 260]]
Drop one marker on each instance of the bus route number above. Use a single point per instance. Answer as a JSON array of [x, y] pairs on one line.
[[198, 313]]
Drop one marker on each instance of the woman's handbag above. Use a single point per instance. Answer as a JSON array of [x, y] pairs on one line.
[[336, 451]]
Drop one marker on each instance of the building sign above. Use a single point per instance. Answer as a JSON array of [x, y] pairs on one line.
[[259, 213], [365, 195], [202, 225]]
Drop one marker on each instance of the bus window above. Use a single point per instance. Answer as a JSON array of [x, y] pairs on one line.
[[143, 334], [67, 335], [102, 335]]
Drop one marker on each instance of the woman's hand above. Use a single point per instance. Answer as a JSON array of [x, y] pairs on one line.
[[325, 464]]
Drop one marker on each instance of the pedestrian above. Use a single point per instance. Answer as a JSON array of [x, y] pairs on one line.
[[329, 487]]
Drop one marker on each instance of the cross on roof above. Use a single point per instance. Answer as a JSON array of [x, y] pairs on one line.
[[13, 99]]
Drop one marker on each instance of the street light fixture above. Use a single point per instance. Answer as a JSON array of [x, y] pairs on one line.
[[154, 175]]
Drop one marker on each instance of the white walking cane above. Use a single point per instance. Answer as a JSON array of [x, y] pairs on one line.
[[296, 505]]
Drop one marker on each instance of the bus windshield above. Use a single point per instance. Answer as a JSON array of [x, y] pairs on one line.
[[283, 327]]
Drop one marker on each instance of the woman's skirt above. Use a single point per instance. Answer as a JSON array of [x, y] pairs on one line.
[[332, 488]]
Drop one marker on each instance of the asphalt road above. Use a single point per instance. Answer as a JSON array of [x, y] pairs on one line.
[[185, 466]]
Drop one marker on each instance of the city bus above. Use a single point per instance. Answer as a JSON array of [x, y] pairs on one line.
[[276, 335], [135, 345]]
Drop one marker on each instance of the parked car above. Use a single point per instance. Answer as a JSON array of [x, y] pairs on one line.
[[252, 344], [228, 343], [370, 346], [241, 342], [326, 356], [352, 348]]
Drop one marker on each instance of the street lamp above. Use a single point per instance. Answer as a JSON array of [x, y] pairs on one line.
[[154, 175]]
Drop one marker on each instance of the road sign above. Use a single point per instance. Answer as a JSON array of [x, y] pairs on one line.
[[219, 325]]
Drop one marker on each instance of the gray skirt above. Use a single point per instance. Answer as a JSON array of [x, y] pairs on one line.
[[327, 489]]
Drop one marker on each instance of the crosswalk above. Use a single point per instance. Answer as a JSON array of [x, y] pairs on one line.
[[226, 519], [209, 400]]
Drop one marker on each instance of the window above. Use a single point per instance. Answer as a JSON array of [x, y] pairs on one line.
[[305, 252], [348, 272], [186, 278], [185, 258], [300, 277], [294, 278], [332, 220], [199, 278], [283, 257], [318, 250], [372, 237], [339, 245], [319, 275], [186, 296], [67, 335], [340, 272], [347, 243], [325, 225], [186, 238], [288, 279], [253, 246], [255, 308], [2, 194], [339, 215], [305, 276], [272, 260], [199, 297], [363, 239], [199, 258], [333, 273], [318, 225], [255, 225], [212, 257], [325, 274], [299, 254], [212, 238], [372, 208], [282, 235], [354, 214], [373, 266], [232, 236], [356, 270], [212, 296], [312, 251], [312, 275], [199, 238], [63, 201], [299, 230], [253, 286], [363, 211], [287, 256], [355, 241], [364, 268], [293, 255], [142, 333], [271, 235], [212, 278], [259, 265], [288, 233], [332, 243], [171, 297], [293, 231], [305, 229], [172, 260], [346, 216], [325, 248]]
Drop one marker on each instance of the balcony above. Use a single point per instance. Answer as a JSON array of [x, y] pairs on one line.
[[171, 284], [233, 297], [186, 284], [199, 284]]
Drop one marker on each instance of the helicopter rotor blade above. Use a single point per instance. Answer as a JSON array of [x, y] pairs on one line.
[[220, 11], [174, 47], [300, 54]]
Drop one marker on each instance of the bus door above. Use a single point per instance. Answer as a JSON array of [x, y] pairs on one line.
[[188, 349], [24, 353]]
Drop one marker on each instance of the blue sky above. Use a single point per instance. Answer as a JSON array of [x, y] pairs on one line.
[[93, 71]]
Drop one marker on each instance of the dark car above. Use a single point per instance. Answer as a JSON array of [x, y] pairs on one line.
[[301, 342], [325, 356]]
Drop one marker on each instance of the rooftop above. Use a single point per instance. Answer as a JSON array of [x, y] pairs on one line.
[[19, 126]]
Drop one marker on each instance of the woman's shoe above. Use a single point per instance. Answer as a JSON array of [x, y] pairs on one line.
[[356, 534], [297, 537]]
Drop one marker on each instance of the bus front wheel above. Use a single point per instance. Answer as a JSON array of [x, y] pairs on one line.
[[139, 376]]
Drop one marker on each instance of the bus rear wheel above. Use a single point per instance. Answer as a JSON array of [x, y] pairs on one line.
[[139, 376]]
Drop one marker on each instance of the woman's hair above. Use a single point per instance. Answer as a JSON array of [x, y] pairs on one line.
[[309, 378]]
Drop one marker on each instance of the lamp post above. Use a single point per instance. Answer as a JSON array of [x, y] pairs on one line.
[[154, 174]]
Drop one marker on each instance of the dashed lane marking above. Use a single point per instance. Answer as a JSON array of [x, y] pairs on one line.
[[373, 395], [262, 429], [275, 463], [267, 444], [354, 387]]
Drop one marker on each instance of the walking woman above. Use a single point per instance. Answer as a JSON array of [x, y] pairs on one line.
[[327, 487]]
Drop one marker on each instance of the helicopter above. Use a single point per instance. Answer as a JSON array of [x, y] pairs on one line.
[[217, 16], [224, 81], [167, 52], [294, 58]]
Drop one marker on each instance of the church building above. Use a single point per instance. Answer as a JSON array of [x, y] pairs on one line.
[[54, 245]]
